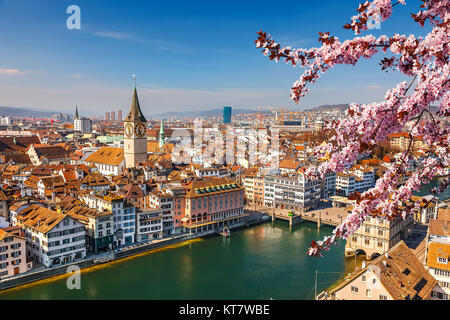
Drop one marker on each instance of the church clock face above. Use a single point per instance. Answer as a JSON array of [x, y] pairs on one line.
[[140, 130], [129, 130]]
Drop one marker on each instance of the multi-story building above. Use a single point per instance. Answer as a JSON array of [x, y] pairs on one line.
[[99, 227], [149, 224], [178, 192], [13, 256], [81, 124], [124, 216], [438, 254], [47, 154], [164, 201], [377, 235], [213, 203], [401, 141], [253, 183], [294, 192], [329, 185], [4, 210], [358, 179], [52, 237], [226, 115]]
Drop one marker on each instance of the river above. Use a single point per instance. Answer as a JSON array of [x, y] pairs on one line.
[[260, 262]]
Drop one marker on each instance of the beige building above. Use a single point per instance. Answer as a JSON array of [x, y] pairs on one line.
[[400, 141], [377, 235], [4, 210], [13, 258], [135, 134], [395, 275]]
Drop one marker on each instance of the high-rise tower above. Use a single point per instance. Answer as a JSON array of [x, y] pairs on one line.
[[135, 134]]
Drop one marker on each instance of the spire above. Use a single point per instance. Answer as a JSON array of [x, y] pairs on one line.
[[76, 113], [135, 113], [161, 135], [161, 130]]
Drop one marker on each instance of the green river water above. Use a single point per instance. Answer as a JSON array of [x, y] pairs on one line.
[[267, 261]]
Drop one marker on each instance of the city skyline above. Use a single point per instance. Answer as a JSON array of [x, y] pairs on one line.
[[198, 56]]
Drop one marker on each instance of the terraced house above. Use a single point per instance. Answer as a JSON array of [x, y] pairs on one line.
[[99, 227], [123, 214]]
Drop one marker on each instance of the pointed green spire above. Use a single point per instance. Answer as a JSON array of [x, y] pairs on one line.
[[161, 135]]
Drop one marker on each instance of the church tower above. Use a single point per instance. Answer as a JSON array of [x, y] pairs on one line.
[[161, 136], [135, 134]]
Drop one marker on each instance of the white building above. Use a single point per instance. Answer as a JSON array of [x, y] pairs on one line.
[[83, 125], [296, 192], [358, 179], [52, 238], [109, 161], [149, 224]]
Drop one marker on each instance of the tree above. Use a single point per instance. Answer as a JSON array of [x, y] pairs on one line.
[[426, 62]]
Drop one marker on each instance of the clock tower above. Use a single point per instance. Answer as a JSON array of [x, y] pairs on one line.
[[135, 134]]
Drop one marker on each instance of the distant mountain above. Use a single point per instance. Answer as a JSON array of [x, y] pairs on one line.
[[202, 113], [332, 107], [24, 113]]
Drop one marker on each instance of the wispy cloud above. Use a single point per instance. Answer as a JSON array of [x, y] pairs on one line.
[[374, 87], [119, 36], [12, 72]]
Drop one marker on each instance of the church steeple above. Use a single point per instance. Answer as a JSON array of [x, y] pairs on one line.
[[76, 113], [161, 135], [135, 130], [135, 114]]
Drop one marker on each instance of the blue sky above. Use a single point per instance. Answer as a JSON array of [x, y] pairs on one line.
[[188, 55]]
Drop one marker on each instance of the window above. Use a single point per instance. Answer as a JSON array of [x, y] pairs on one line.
[[363, 279], [354, 289], [367, 241], [368, 293], [442, 260], [374, 281], [383, 297]]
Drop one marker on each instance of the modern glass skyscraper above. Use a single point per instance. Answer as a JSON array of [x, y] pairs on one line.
[[226, 114]]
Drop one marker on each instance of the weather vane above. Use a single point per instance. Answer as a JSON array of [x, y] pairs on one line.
[[134, 78]]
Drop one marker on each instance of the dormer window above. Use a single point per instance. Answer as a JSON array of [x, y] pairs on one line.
[[442, 260]]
